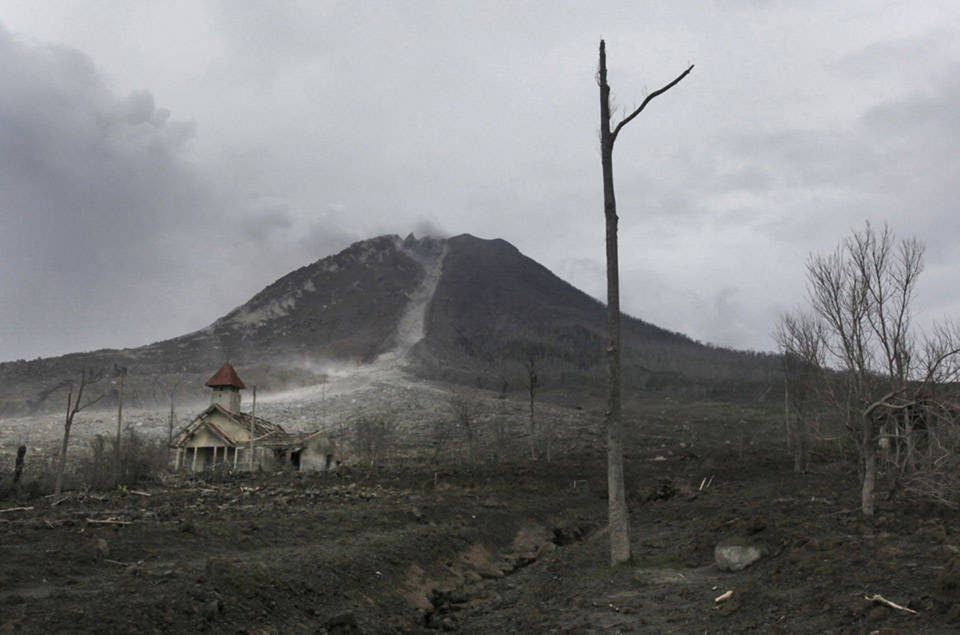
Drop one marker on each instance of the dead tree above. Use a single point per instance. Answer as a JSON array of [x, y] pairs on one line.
[[861, 296], [894, 388], [75, 404], [618, 520], [465, 415], [123, 376], [172, 418], [500, 422], [800, 337], [863, 293], [532, 382]]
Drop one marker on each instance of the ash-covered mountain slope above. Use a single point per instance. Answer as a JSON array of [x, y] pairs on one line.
[[458, 309], [495, 308], [346, 306]]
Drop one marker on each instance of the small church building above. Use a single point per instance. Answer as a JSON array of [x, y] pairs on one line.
[[220, 437]]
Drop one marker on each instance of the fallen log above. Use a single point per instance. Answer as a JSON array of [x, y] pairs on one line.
[[879, 599], [108, 521], [723, 597]]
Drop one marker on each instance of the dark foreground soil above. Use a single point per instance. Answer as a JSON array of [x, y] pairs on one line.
[[500, 548]]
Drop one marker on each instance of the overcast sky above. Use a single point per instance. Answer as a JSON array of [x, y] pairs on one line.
[[161, 162]]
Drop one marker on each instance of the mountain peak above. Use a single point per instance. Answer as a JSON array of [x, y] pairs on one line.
[[457, 309]]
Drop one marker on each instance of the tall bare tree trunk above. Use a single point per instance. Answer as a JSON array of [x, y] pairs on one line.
[[617, 511], [618, 518]]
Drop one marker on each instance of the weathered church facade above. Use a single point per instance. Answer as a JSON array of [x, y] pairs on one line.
[[220, 437]]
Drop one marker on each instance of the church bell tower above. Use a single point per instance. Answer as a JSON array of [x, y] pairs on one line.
[[226, 385]]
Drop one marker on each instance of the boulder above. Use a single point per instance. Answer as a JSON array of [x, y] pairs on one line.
[[736, 554], [99, 549], [343, 624], [211, 610]]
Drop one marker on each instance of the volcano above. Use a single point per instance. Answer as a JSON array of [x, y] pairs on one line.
[[460, 309]]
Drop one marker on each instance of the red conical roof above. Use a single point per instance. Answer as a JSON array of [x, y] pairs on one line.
[[226, 376]]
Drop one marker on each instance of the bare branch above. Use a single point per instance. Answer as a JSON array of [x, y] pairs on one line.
[[646, 101], [884, 403], [89, 403]]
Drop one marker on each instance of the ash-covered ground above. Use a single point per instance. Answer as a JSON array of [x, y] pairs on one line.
[[503, 544]]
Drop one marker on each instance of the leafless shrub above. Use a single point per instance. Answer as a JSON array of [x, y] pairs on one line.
[[466, 413], [141, 460], [941, 487], [937, 482], [373, 436]]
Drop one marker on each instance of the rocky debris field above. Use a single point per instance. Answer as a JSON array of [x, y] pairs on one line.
[[410, 546]]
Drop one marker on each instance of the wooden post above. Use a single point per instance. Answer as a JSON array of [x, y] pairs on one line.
[[18, 466], [193, 466]]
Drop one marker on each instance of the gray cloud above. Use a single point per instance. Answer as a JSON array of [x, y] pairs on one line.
[[266, 215], [428, 227], [110, 235], [148, 145], [88, 179]]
